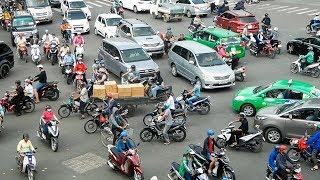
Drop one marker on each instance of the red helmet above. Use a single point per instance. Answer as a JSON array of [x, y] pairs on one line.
[[109, 95], [282, 148]]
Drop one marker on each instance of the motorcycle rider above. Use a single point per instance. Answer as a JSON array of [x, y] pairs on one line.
[[116, 122], [167, 38], [30, 91], [24, 146], [46, 38], [245, 34], [214, 5], [197, 22], [111, 103], [64, 26], [315, 22], [272, 161], [239, 5], [170, 101], [80, 67], [20, 42], [123, 146], [314, 146], [41, 77], [158, 84], [68, 59], [63, 51], [78, 41], [208, 149], [46, 117], [223, 8], [307, 59], [195, 92], [168, 122], [266, 23], [104, 76], [135, 75], [97, 64], [6, 15], [222, 51], [181, 37], [83, 96], [259, 41], [1, 117], [34, 40], [17, 96], [54, 39], [252, 39], [281, 162], [115, 6], [189, 165], [241, 131], [234, 60]]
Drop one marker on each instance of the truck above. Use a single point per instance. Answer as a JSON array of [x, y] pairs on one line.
[[167, 10]]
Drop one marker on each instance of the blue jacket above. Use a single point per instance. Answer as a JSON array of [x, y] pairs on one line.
[[121, 146], [315, 140], [272, 159]]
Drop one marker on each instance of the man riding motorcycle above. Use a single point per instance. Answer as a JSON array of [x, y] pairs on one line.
[[20, 42], [64, 26], [135, 75], [314, 147], [315, 22], [266, 22], [195, 92], [158, 86], [222, 51], [54, 39], [189, 165], [24, 146], [272, 161], [69, 58], [102, 76], [111, 104], [308, 58], [63, 51], [46, 117], [197, 22], [241, 131], [17, 96], [116, 122], [78, 41], [281, 162], [6, 15], [239, 5], [123, 145], [115, 6], [80, 67], [41, 77], [167, 38], [167, 117], [46, 38], [208, 149]]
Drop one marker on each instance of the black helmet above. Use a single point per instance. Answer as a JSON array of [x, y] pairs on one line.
[[25, 135], [48, 107], [133, 67], [242, 115], [266, 14], [18, 82]]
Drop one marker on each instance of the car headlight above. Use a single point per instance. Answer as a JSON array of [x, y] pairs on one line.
[[239, 98]]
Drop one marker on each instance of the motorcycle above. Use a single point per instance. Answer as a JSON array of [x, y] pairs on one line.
[[120, 11], [78, 80], [252, 142], [53, 53], [312, 70], [267, 49], [22, 51], [308, 28], [50, 91], [192, 27], [28, 165], [276, 45], [52, 136], [201, 105], [222, 167], [177, 131], [6, 24], [68, 72], [26, 104], [79, 51], [295, 173], [35, 54], [132, 164], [47, 49], [150, 83], [174, 173], [73, 107], [240, 73], [177, 115], [67, 35]]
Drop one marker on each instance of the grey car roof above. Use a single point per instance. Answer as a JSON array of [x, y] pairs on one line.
[[195, 47], [135, 22], [21, 13], [122, 43]]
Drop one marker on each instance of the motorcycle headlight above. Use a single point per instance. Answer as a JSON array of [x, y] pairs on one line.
[[68, 71]]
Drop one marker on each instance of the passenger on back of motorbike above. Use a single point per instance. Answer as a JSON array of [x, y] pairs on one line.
[[307, 59], [41, 77], [241, 131], [314, 147], [111, 103], [208, 149], [30, 91], [1, 117], [20, 42], [80, 67], [222, 51], [197, 22], [46, 117], [97, 64], [272, 162], [63, 51], [123, 146], [34, 40], [158, 85], [24, 146], [54, 39], [132, 75], [117, 123], [189, 165], [195, 92], [283, 169], [315, 22]]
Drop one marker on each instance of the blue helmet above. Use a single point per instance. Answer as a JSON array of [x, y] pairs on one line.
[[276, 147], [166, 105], [123, 134], [210, 132]]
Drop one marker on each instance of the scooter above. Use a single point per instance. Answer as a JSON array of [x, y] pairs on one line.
[[22, 51], [68, 36], [267, 50], [174, 173], [308, 28], [35, 54], [53, 53], [201, 105], [252, 142], [78, 80], [79, 51], [52, 136], [240, 73], [295, 173], [192, 27], [7, 23], [26, 104], [68, 72], [312, 70], [47, 49], [120, 11], [28, 165], [50, 91]]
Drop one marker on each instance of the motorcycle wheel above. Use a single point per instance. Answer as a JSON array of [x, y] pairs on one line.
[[30, 174], [54, 144], [90, 109], [293, 154], [29, 107], [146, 135], [64, 111], [106, 137], [240, 78], [138, 176], [147, 119], [278, 51], [90, 126], [55, 96], [69, 80], [221, 143], [271, 54], [205, 109], [229, 174], [308, 29], [179, 135], [315, 72], [294, 68], [258, 146]]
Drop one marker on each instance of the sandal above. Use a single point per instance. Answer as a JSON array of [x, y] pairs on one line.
[[314, 168]]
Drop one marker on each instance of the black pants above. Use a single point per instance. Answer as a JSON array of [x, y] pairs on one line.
[[282, 173], [212, 7], [166, 46], [314, 156], [115, 135], [235, 136], [16, 101], [304, 63], [260, 47]]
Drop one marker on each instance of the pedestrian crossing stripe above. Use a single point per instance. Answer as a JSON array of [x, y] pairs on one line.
[[94, 4], [308, 11], [287, 9], [297, 10], [281, 7], [106, 4], [89, 6], [267, 7]]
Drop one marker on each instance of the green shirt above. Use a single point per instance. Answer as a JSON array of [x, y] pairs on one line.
[[309, 57], [185, 164]]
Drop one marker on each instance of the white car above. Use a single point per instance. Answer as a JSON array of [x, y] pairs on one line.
[[137, 5], [75, 4], [78, 21], [106, 25]]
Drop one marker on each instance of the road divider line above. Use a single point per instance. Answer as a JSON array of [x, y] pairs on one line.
[[281, 7], [287, 9], [312, 14], [56, 10], [263, 5], [108, 1], [106, 4], [267, 7], [297, 10], [94, 4], [308, 11]]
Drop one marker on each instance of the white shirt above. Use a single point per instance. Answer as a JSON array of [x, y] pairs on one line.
[[170, 101], [55, 39], [29, 90], [252, 39], [46, 37], [84, 95], [217, 2], [317, 18]]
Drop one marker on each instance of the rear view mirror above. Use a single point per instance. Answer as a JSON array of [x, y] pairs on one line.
[[128, 34], [116, 58], [263, 95], [191, 62]]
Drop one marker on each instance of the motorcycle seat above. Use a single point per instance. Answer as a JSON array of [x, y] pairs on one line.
[[53, 82], [175, 165], [115, 152]]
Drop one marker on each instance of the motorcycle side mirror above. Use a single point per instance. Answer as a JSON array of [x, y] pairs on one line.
[[37, 22], [116, 58]]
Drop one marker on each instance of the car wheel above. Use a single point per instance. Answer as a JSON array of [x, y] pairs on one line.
[[135, 9], [291, 49], [248, 109], [4, 70], [189, 15], [273, 135], [174, 70]]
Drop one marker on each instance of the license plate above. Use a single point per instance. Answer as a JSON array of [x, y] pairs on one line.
[[250, 26], [223, 82], [279, 45], [78, 29]]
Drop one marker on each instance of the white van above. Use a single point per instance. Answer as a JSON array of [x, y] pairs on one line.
[[40, 10]]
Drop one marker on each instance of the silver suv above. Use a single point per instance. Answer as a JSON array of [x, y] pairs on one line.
[[119, 54], [143, 34], [288, 120]]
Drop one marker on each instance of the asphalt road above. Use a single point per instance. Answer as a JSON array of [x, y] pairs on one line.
[[156, 157]]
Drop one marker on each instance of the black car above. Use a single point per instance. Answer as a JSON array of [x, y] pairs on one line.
[[6, 59], [300, 46]]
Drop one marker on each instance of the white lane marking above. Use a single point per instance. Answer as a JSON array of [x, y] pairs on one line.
[[307, 11], [56, 10], [266, 7], [287, 9], [89, 6], [281, 7], [106, 4], [94, 4], [297, 10], [312, 14], [263, 5], [107, 1]]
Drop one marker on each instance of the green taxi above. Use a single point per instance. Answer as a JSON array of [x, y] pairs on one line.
[[251, 99], [214, 36]]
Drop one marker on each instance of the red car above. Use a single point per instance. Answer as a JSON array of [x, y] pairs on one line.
[[235, 20]]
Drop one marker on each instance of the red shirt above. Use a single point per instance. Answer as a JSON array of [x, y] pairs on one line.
[[210, 145], [47, 116], [80, 67]]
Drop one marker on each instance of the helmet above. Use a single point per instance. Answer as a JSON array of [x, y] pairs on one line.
[[102, 69], [310, 48], [133, 67], [48, 107], [40, 66], [210, 132], [243, 115], [17, 82], [166, 105], [275, 29], [25, 135], [191, 152], [79, 33], [282, 148], [154, 178], [123, 134], [277, 147], [109, 95], [46, 31], [169, 29], [266, 14], [317, 125], [27, 80]]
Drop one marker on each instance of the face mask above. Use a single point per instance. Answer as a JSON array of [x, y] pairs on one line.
[[49, 110], [212, 136]]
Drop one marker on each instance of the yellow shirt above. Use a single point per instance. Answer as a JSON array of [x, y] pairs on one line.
[[24, 146]]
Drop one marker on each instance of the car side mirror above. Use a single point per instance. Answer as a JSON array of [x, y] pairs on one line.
[[191, 62], [117, 58], [128, 34], [263, 95], [290, 116]]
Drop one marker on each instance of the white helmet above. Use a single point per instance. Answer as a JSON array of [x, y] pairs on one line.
[[250, 34], [275, 29], [46, 31], [40, 66], [154, 178], [317, 14]]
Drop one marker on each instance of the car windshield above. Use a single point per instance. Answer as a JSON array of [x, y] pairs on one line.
[[22, 21], [231, 40], [143, 31], [289, 107], [209, 59], [77, 4], [248, 19], [134, 55], [37, 3], [261, 88], [113, 21], [76, 15], [198, 1]]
